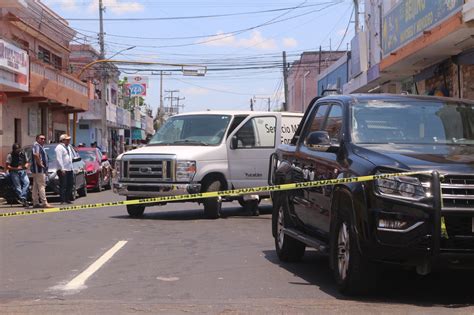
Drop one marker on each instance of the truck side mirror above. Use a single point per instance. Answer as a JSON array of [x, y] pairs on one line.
[[234, 143], [320, 141]]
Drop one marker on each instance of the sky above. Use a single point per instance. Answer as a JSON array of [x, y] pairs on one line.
[[238, 42]]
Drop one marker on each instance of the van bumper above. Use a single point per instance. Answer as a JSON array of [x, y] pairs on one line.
[[155, 190]]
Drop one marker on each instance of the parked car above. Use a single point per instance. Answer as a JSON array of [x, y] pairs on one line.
[[52, 180], [98, 168], [422, 222]]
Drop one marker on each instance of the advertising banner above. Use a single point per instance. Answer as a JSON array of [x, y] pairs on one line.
[[137, 85], [16, 61], [409, 18]]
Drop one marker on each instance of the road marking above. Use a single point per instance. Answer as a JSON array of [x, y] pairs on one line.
[[78, 282], [168, 279]]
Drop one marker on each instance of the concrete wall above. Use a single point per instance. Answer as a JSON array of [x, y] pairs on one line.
[[15, 109]]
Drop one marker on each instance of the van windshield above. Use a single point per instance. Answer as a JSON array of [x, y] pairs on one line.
[[413, 122], [192, 130]]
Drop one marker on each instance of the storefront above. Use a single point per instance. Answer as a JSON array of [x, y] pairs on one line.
[[14, 83]]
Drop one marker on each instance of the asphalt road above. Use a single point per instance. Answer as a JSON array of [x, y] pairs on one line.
[[174, 261]]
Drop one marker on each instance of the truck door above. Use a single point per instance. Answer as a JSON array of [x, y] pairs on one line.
[[321, 166], [248, 150], [303, 199]]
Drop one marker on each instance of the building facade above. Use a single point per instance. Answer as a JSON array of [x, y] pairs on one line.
[[303, 75], [38, 91], [419, 47]]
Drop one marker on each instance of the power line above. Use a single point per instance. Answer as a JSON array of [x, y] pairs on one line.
[[200, 16]]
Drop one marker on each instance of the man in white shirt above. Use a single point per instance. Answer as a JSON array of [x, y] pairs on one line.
[[65, 154]]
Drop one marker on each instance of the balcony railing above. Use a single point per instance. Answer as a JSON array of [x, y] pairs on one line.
[[56, 76]]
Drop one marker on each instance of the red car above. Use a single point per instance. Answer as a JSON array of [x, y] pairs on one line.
[[98, 168]]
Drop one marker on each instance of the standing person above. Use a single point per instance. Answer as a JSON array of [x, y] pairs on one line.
[[17, 165], [65, 154], [39, 169]]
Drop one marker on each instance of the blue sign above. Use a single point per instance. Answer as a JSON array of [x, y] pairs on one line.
[[137, 89], [409, 18]]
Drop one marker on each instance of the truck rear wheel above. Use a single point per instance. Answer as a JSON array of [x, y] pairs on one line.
[[212, 206], [287, 248], [135, 211]]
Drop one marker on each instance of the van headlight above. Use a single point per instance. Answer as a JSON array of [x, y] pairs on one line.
[[403, 187], [185, 171], [117, 170]]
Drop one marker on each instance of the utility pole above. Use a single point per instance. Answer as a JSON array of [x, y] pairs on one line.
[[253, 100], [103, 79], [171, 98], [161, 92], [285, 81], [178, 105], [356, 14]]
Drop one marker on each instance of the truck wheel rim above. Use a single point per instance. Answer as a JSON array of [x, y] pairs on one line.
[[281, 235], [343, 251]]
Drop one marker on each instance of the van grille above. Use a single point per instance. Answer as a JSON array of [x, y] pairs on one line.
[[148, 169]]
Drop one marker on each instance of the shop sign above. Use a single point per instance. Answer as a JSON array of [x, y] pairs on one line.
[[137, 85], [136, 89], [15, 60], [409, 18]]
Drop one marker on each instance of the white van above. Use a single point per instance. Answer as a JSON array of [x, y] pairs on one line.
[[205, 151]]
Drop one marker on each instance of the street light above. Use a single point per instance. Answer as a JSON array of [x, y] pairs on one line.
[[121, 51]]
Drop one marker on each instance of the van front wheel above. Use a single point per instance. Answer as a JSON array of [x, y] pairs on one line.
[[135, 211], [212, 206]]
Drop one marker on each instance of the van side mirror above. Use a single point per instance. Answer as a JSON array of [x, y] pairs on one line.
[[76, 159], [234, 143], [321, 142]]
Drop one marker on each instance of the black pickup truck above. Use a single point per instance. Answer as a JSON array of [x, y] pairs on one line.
[[424, 221]]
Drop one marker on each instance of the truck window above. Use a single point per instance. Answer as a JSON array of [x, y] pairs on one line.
[[420, 122], [318, 118], [334, 123], [258, 132]]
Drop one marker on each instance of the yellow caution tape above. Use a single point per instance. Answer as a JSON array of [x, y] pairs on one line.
[[444, 230], [211, 194]]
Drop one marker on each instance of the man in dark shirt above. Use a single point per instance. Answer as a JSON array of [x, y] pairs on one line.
[[16, 166], [39, 169]]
